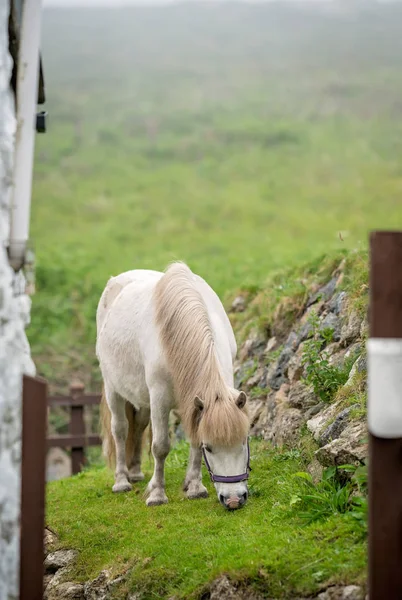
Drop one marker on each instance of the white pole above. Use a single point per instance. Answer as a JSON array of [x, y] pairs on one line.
[[27, 92]]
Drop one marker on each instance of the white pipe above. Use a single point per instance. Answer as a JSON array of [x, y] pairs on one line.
[[385, 387], [27, 93]]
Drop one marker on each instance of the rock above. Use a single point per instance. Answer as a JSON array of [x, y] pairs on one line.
[[277, 422], [255, 409], [360, 366], [338, 359], [65, 591], [354, 350], [271, 345], [318, 423], [323, 293], [59, 560], [333, 431], [331, 321], [314, 410], [292, 341], [350, 331], [58, 464], [349, 448], [350, 592], [223, 589], [295, 366], [100, 588], [49, 539], [364, 329], [258, 379], [55, 583], [302, 396], [277, 374], [240, 372], [338, 303], [254, 346], [332, 349], [305, 329], [286, 427], [316, 470], [282, 394], [239, 304]]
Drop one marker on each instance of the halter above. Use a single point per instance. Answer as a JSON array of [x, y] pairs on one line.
[[228, 478]]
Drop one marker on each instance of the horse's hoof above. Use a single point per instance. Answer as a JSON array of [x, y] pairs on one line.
[[123, 486], [138, 476], [156, 499], [197, 491]]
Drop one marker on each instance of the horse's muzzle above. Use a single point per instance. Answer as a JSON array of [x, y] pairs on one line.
[[233, 502]]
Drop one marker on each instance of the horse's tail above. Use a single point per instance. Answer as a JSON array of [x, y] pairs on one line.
[[108, 445]]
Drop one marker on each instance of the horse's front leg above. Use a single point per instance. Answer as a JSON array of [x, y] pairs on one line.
[[160, 409], [193, 482]]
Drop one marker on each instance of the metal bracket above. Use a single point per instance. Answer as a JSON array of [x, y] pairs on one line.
[[41, 118]]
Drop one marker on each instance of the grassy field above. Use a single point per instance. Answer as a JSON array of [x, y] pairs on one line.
[[177, 549], [241, 139]]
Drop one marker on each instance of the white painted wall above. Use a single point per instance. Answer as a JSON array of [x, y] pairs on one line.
[[14, 349]]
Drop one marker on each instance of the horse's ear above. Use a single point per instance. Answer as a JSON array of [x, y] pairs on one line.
[[198, 403], [241, 400]]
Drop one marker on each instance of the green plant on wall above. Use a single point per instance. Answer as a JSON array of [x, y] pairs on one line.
[[325, 378]]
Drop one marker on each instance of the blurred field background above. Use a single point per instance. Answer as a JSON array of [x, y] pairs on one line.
[[242, 139]]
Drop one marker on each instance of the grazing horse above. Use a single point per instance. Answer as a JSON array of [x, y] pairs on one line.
[[164, 341]]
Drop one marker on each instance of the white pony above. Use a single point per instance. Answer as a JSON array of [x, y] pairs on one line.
[[164, 341]]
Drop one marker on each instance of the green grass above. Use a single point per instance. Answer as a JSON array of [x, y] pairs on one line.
[[241, 139], [177, 549]]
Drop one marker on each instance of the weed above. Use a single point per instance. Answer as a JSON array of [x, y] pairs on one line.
[[318, 501], [257, 392], [325, 378], [332, 495]]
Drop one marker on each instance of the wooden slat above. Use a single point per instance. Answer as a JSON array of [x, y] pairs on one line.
[[33, 474], [73, 441], [87, 400]]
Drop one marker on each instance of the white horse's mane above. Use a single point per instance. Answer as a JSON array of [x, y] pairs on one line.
[[187, 339]]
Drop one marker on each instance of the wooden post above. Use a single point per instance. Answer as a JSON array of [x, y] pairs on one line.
[[385, 417], [77, 426], [33, 475]]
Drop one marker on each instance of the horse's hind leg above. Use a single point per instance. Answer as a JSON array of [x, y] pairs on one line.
[[140, 422], [160, 409], [193, 482], [119, 425]]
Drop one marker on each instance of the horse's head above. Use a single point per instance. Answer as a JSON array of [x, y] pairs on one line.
[[223, 430]]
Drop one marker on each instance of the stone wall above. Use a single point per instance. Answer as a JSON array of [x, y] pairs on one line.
[[14, 350], [274, 373]]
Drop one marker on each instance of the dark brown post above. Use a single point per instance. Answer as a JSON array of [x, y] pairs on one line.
[[385, 460], [33, 475], [77, 426]]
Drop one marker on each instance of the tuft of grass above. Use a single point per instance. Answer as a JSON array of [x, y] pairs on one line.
[[176, 549], [332, 495]]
